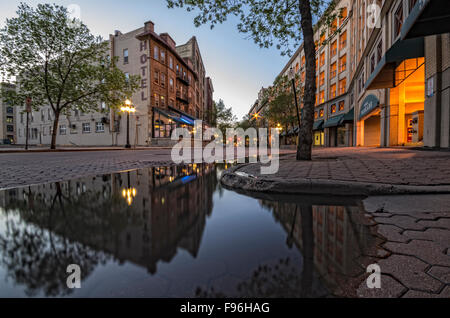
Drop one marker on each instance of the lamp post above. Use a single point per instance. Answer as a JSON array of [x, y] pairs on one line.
[[128, 108], [291, 76]]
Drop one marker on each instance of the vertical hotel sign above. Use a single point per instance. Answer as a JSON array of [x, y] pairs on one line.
[[144, 69]]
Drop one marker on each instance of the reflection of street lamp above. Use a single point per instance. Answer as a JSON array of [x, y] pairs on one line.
[[128, 108], [129, 193], [291, 76], [279, 128]]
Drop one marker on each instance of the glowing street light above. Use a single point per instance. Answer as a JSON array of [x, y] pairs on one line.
[[128, 108]]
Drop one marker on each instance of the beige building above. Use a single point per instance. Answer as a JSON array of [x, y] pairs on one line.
[[171, 94], [382, 75], [8, 119]]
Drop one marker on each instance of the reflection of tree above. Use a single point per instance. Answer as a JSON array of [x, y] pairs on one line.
[[51, 234]]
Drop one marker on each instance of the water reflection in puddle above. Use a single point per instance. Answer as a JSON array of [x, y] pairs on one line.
[[175, 232]]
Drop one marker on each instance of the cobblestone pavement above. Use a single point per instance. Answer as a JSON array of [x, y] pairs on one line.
[[371, 165], [413, 255]]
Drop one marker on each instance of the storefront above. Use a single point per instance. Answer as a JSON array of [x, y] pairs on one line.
[[340, 130], [369, 122], [165, 121], [319, 134]]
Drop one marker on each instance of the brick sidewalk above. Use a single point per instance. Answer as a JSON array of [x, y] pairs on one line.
[[371, 165]]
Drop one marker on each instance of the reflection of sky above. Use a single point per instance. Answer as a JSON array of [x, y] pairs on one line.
[[237, 66]]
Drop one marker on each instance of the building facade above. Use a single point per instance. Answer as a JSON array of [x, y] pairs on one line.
[[171, 94], [382, 75], [8, 120]]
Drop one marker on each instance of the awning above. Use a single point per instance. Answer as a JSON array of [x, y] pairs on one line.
[[318, 125], [384, 74], [169, 115], [370, 103], [349, 117], [334, 121], [427, 18], [183, 117]]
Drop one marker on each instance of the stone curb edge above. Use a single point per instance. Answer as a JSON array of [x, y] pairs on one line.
[[232, 179]]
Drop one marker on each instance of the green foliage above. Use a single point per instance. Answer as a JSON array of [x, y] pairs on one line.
[[58, 63], [224, 117], [267, 22], [281, 109]]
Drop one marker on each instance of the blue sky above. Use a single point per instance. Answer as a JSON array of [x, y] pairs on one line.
[[238, 67]]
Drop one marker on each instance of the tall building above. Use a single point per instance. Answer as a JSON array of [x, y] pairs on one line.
[[171, 94], [382, 75], [7, 120]]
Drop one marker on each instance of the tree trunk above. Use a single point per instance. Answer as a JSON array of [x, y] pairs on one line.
[[55, 130], [305, 134]]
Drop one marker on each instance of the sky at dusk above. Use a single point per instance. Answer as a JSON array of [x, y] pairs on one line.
[[238, 67]]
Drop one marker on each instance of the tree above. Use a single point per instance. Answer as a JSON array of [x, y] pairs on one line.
[[268, 22], [57, 62], [224, 117]]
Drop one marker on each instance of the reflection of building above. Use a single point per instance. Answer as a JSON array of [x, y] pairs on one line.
[[171, 94], [382, 74], [340, 236], [168, 212], [8, 120]]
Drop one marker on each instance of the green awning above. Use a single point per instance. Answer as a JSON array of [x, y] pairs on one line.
[[370, 103], [334, 121], [318, 125], [349, 117], [384, 74], [427, 18]]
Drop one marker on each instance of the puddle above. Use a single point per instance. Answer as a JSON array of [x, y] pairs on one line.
[[176, 232]]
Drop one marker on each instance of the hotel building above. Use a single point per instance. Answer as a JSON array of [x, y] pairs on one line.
[[7, 120], [382, 74], [173, 93]]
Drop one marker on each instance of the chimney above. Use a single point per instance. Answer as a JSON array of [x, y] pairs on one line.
[[117, 33], [149, 26], [168, 39]]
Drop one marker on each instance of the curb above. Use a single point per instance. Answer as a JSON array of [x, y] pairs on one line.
[[236, 180], [79, 150]]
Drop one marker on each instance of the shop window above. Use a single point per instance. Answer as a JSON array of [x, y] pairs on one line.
[[341, 105], [322, 59], [333, 91], [333, 109], [333, 49], [398, 20], [342, 86], [343, 15], [333, 70], [343, 63], [343, 40]]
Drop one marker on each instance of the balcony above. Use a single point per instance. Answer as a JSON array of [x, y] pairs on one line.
[[183, 97], [183, 78]]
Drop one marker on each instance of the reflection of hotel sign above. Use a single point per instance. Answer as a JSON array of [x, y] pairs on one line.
[[369, 104]]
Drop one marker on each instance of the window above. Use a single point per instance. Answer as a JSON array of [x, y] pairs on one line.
[[341, 105], [322, 59], [163, 57], [103, 105], [333, 109], [21, 118], [322, 97], [333, 49], [9, 110], [163, 80], [343, 40], [303, 60], [322, 78], [372, 62], [127, 77], [156, 77], [342, 86], [343, 15], [321, 113], [398, 20], [316, 115], [333, 71], [333, 27], [171, 84], [343, 63], [297, 67], [303, 76], [9, 119], [62, 129], [322, 38], [361, 83], [379, 50], [163, 101], [42, 115], [49, 114], [99, 127], [171, 62], [86, 128], [9, 128], [156, 99], [125, 56], [333, 91], [156, 53]]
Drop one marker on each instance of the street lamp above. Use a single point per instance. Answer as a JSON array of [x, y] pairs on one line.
[[291, 76], [128, 108]]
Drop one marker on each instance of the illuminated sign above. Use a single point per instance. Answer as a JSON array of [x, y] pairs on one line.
[[370, 103]]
